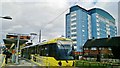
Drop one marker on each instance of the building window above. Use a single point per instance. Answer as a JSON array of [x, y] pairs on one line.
[[103, 48], [108, 32], [98, 33], [98, 24], [107, 21], [73, 19], [83, 26], [74, 39], [94, 48], [68, 31], [68, 36], [74, 42], [109, 49], [100, 48], [83, 30], [98, 29], [73, 14], [97, 20], [85, 48], [107, 25], [74, 30], [97, 15], [83, 35], [98, 37], [73, 35], [73, 24]]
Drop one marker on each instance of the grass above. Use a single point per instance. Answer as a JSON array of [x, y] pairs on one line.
[[91, 64]]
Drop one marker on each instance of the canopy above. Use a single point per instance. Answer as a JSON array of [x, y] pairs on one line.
[[8, 42]]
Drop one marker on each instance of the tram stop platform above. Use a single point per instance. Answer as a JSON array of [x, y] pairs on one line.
[[23, 63]]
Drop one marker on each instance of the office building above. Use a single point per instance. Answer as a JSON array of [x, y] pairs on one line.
[[82, 24]]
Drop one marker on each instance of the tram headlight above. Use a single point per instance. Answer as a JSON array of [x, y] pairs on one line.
[[60, 63]]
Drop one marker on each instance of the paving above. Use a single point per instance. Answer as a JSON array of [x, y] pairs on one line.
[[22, 63]]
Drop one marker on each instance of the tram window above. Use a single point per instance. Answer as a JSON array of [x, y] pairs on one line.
[[44, 50], [52, 50], [47, 50], [32, 52]]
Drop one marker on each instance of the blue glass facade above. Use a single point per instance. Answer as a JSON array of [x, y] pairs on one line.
[[67, 26], [82, 24]]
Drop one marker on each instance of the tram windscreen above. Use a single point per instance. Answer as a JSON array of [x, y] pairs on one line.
[[65, 50]]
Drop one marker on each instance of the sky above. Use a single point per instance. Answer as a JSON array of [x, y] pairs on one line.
[[29, 16]]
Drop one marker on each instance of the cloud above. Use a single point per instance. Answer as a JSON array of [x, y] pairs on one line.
[[108, 0], [33, 15], [17, 26]]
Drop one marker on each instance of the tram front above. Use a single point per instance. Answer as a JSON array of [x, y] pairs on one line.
[[64, 53]]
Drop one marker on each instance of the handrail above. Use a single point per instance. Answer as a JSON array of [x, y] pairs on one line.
[[3, 62], [44, 60]]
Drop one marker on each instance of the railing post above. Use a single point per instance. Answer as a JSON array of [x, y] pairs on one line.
[[32, 57], [3, 60]]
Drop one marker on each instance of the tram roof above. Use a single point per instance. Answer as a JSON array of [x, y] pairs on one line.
[[49, 42], [55, 40], [29, 46]]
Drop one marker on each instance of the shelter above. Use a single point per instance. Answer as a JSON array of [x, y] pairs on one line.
[[9, 42]]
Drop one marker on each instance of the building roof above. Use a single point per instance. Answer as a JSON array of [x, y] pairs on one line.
[[103, 42], [76, 7], [101, 12], [94, 10]]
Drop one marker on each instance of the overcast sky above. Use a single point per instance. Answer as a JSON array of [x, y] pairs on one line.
[[33, 15]]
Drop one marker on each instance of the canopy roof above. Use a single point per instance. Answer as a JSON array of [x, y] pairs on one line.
[[8, 42]]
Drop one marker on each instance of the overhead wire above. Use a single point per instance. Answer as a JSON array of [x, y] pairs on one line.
[[57, 16], [43, 27]]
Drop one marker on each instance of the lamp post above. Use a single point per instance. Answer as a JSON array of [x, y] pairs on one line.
[[6, 17], [17, 48], [33, 34]]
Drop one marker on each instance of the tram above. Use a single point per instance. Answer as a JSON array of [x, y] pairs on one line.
[[55, 52]]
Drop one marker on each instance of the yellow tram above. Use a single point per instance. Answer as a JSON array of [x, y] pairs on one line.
[[55, 52]]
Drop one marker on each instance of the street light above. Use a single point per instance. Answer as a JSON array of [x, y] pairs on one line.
[[6, 17], [17, 48], [33, 34]]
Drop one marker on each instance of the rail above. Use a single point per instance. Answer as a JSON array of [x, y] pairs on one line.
[[43, 61]]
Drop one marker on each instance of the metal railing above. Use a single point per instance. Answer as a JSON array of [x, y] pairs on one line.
[[3, 60], [43, 61]]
